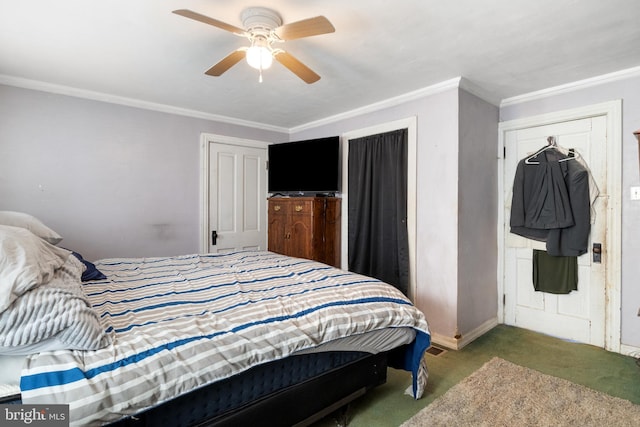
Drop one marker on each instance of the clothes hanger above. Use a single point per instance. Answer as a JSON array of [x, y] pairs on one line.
[[573, 154], [551, 144]]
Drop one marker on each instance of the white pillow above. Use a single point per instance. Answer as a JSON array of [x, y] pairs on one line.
[[23, 220], [26, 261]]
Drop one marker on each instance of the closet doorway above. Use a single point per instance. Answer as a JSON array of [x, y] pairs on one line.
[[591, 314], [410, 126]]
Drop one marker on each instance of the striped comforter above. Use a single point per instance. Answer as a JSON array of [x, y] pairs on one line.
[[178, 323]]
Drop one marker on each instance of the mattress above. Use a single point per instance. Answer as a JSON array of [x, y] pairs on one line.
[[248, 399], [370, 342]]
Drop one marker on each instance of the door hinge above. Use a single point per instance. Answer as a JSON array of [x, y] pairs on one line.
[[504, 151], [504, 299]]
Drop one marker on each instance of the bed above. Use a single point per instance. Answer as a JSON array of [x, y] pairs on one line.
[[241, 338]]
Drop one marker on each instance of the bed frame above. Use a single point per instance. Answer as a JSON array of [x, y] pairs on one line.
[[296, 391]]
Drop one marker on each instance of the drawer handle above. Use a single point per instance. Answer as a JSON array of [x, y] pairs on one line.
[[276, 208], [298, 208]]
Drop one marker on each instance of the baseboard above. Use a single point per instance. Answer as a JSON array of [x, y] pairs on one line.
[[458, 343], [629, 350]]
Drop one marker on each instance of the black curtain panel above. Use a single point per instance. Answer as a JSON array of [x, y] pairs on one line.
[[377, 227]]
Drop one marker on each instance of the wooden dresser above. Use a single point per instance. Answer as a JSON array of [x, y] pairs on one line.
[[305, 227]]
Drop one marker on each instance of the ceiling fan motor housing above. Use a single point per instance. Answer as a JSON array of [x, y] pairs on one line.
[[260, 20]]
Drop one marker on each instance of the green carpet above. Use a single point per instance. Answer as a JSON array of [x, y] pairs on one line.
[[503, 394], [388, 406]]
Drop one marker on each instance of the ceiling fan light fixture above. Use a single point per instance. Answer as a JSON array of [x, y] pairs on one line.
[[259, 57]]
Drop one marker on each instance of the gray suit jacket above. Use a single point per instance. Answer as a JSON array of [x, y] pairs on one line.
[[551, 203], [574, 240], [540, 197]]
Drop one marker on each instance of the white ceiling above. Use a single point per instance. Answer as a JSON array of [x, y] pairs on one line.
[[139, 50]]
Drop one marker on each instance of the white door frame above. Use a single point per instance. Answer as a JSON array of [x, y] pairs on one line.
[[410, 124], [613, 112], [205, 140]]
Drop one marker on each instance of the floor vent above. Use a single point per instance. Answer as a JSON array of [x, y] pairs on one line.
[[435, 351]]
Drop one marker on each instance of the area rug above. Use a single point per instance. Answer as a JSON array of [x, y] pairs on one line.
[[504, 394]]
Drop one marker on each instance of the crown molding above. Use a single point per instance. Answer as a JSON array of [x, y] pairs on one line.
[[474, 89], [571, 87], [391, 102], [457, 82], [131, 102]]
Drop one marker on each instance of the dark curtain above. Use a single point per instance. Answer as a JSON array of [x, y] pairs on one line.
[[377, 227]]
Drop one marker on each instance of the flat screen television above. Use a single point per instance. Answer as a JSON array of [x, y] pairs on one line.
[[305, 167]]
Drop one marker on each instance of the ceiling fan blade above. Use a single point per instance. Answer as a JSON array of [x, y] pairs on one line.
[[305, 28], [202, 18], [297, 67], [229, 61]]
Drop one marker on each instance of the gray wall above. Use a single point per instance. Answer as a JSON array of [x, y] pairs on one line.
[[114, 181], [627, 90], [478, 206], [455, 272]]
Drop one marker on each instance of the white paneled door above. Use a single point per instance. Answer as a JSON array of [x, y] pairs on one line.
[[236, 199], [579, 315]]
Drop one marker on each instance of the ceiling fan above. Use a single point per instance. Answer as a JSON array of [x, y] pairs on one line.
[[263, 27]]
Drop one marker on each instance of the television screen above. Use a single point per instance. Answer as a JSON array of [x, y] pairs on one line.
[[308, 166]]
